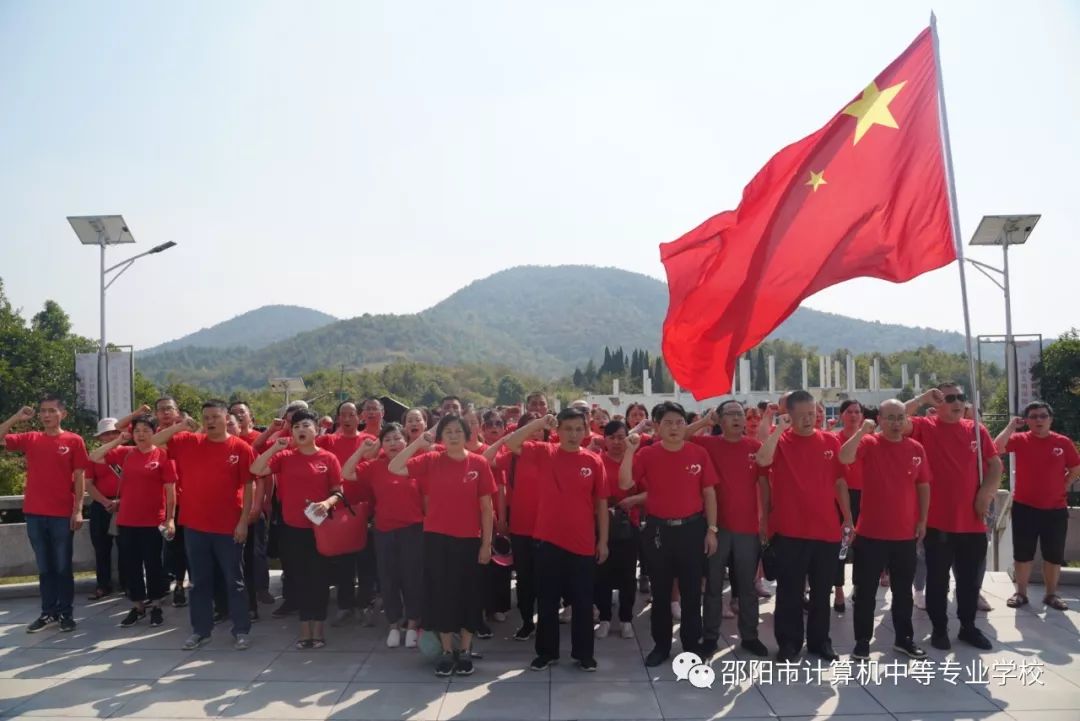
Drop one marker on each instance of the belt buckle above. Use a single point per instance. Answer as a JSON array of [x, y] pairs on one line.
[[676, 522]]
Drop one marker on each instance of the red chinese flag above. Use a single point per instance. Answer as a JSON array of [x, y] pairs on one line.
[[864, 196]]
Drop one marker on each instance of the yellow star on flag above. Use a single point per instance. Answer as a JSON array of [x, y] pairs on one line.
[[817, 179], [873, 109]]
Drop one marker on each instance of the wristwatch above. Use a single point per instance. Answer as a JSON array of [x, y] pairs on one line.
[[714, 529]]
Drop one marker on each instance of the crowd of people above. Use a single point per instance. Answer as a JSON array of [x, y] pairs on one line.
[[567, 510]]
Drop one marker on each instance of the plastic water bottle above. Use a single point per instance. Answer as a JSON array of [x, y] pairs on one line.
[[845, 543]]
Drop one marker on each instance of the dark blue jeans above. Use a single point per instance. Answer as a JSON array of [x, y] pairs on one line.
[[52, 540], [205, 551], [99, 523]]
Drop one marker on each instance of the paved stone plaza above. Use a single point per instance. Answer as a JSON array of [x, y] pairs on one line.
[[101, 670]]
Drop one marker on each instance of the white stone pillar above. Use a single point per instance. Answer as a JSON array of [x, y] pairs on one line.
[[903, 375], [772, 374], [850, 373], [805, 373], [877, 374]]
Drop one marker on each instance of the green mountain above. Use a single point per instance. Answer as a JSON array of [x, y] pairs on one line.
[[539, 320], [254, 329]]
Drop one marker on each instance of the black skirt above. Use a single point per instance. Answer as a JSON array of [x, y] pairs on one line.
[[453, 584]]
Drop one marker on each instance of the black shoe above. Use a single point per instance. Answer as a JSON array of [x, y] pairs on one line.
[[656, 657], [975, 637], [446, 664], [588, 664], [483, 631], [179, 597], [540, 663], [463, 666], [220, 617], [755, 646], [908, 648], [285, 609], [42, 623], [707, 647], [525, 632], [643, 585], [940, 641], [825, 651], [862, 651], [786, 654], [253, 615], [839, 607], [132, 618], [156, 617], [67, 623]]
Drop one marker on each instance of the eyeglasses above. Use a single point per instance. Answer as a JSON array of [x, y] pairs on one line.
[[1038, 416], [892, 419], [954, 397]]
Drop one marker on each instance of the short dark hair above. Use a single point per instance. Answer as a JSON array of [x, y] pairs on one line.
[[303, 415], [852, 402], [535, 394], [720, 408], [53, 398], [949, 384], [216, 403], [662, 409], [449, 398], [613, 427], [763, 406], [146, 420], [1036, 405], [799, 396], [168, 399], [491, 418], [371, 400], [570, 413], [389, 428], [236, 403], [632, 406], [447, 420]]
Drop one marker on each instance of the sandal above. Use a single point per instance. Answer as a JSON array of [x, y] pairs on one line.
[[305, 644], [1017, 600], [317, 643], [1055, 601], [98, 594]]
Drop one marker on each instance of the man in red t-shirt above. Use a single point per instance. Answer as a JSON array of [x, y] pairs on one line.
[[807, 483], [895, 501], [742, 525], [1046, 464], [961, 489], [680, 523], [103, 486], [52, 504], [851, 418], [573, 494], [216, 483]]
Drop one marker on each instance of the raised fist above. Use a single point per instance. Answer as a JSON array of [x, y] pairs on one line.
[[1017, 423], [427, 439], [868, 426], [934, 396], [26, 413], [190, 422], [713, 418], [633, 441], [550, 422], [277, 424], [145, 410], [771, 410], [368, 445], [124, 437], [783, 422], [281, 443]]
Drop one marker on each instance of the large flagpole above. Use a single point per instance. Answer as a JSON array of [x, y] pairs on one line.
[[950, 180]]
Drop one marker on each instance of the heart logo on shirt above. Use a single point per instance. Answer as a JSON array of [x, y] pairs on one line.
[[152, 466], [320, 468], [472, 475], [1058, 451], [63, 450], [974, 447], [752, 457], [234, 459], [695, 468], [586, 472], [916, 461], [828, 455]]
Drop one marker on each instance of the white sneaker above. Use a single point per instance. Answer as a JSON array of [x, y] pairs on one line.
[[627, 630], [241, 642], [564, 615], [499, 617], [676, 611], [393, 639], [411, 638], [920, 600], [603, 629]]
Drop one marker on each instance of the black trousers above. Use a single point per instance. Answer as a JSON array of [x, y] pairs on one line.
[[560, 573], [355, 576], [140, 556], [871, 558], [307, 568], [799, 559], [962, 553], [525, 570], [453, 593], [679, 555], [175, 555], [497, 588], [103, 545], [856, 504], [256, 564], [618, 573]]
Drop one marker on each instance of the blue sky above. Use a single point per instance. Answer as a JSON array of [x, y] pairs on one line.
[[374, 157]]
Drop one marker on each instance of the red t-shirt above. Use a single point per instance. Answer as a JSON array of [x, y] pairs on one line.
[[569, 489], [523, 478], [890, 504], [1041, 467], [212, 476], [616, 494], [803, 476], [674, 480], [104, 477], [302, 479], [250, 437], [737, 475], [342, 446], [397, 498], [853, 473], [453, 489], [950, 448], [142, 494], [51, 462]]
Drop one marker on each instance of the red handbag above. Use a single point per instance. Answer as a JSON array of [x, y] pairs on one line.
[[344, 530]]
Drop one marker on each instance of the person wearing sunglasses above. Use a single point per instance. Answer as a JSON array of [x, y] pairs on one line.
[[1046, 464], [956, 527]]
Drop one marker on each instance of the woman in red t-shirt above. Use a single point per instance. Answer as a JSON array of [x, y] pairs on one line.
[[456, 487], [302, 473], [399, 530], [416, 422], [147, 499]]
